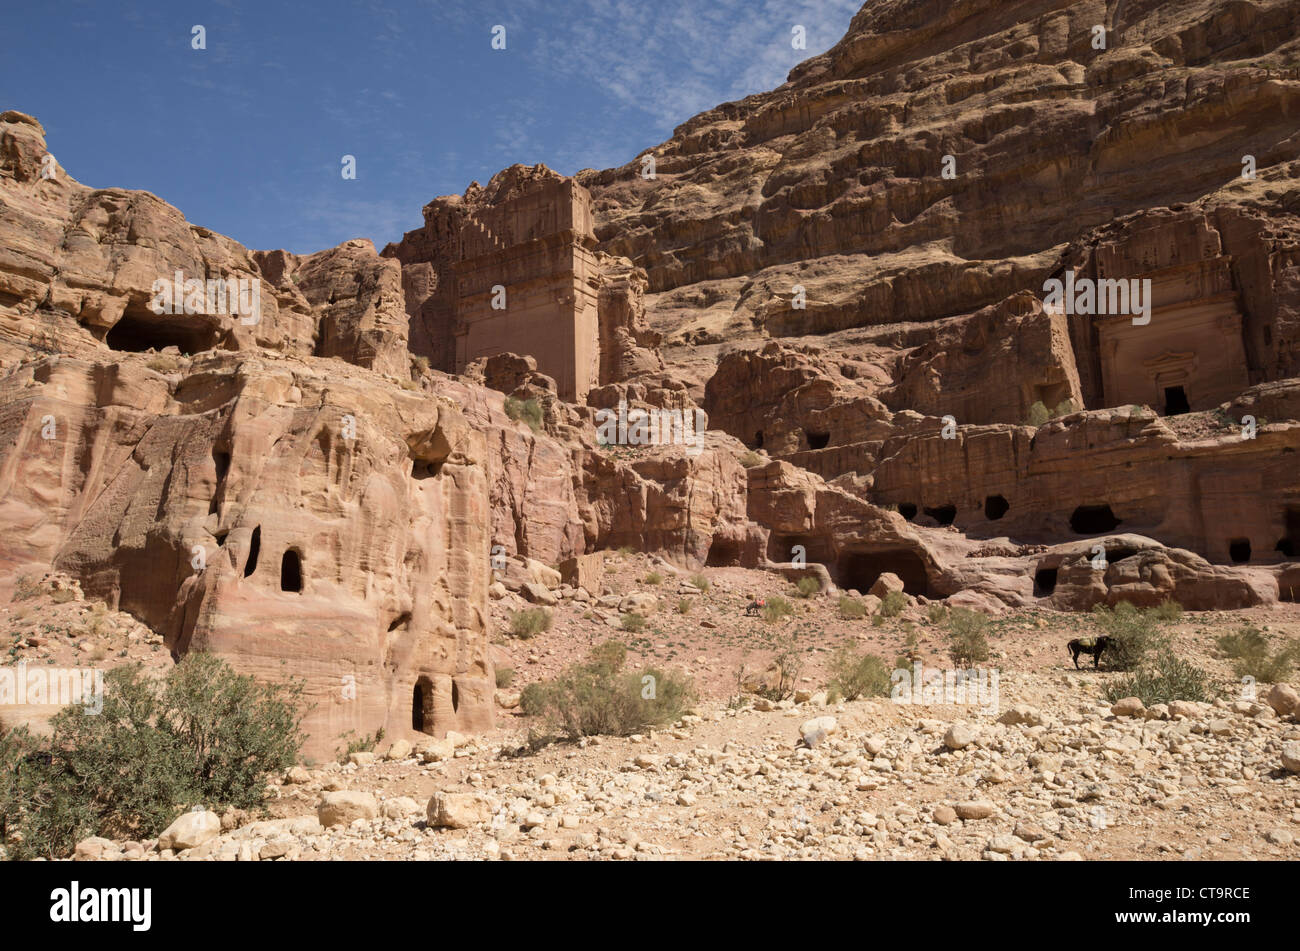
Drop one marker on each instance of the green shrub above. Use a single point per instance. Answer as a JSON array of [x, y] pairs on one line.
[[1133, 634], [204, 735], [777, 608], [654, 578], [788, 663], [700, 582], [808, 587], [893, 604], [856, 675], [1166, 678], [360, 744], [600, 698], [851, 609], [505, 676], [1168, 612], [633, 623], [1040, 414], [527, 411], [968, 642], [684, 606], [1248, 648], [530, 622], [751, 459], [26, 587], [936, 612]]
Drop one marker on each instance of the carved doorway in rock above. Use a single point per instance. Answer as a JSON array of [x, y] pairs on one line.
[[422, 706]]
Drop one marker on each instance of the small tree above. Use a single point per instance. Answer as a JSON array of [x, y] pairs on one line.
[[1248, 648], [777, 608], [1163, 679], [893, 604], [808, 587], [968, 636], [856, 675], [599, 697], [530, 622], [527, 411], [1133, 634], [203, 735], [851, 609]]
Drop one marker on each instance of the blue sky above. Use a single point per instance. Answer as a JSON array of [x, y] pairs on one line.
[[247, 136]]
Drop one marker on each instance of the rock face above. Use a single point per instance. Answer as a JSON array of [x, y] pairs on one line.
[[835, 181], [278, 501], [513, 267], [80, 266]]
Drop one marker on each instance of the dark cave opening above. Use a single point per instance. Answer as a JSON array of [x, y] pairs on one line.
[[859, 570], [723, 553], [291, 571], [1093, 520], [422, 705], [943, 514], [1176, 401], [254, 549], [1289, 544], [134, 333]]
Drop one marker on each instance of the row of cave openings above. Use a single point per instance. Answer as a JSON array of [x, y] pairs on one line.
[[859, 570], [291, 574], [995, 506], [1176, 403], [1084, 520]]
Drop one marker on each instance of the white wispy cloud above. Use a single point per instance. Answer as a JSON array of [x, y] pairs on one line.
[[675, 58]]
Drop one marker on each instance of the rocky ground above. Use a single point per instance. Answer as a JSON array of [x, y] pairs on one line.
[[1053, 773]]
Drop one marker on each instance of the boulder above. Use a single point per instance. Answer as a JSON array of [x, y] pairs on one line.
[[345, 806], [1284, 699], [189, 831], [448, 810], [888, 583]]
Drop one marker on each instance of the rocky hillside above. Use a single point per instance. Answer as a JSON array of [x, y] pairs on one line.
[[836, 180], [344, 466]]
